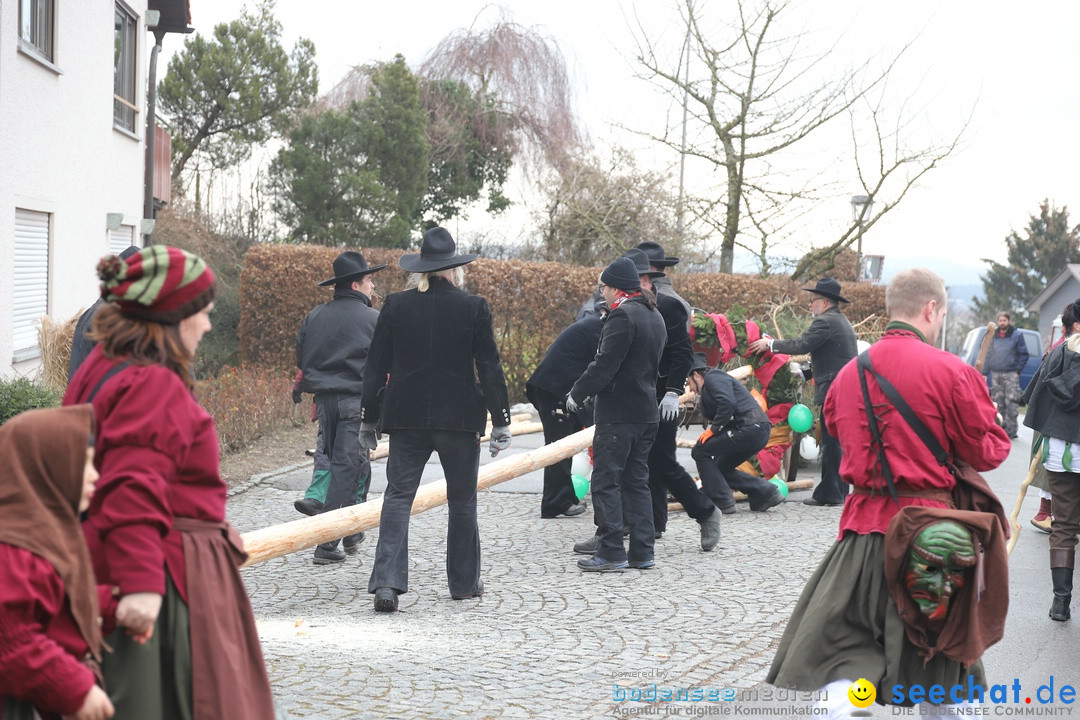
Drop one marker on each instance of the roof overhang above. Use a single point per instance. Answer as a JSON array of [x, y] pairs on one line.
[[1071, 270]]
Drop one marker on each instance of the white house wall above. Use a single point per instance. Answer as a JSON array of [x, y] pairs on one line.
[[60, 153]]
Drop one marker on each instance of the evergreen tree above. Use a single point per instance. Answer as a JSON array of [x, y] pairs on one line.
[[1033, 261], [236, 90], [358, 177]]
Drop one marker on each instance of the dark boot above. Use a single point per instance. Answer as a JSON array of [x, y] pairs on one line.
[[1061, 572]]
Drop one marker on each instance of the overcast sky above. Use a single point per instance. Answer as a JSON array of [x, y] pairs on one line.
[[1016, 64]]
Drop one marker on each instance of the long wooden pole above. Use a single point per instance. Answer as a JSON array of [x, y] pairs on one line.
[[278, 540]]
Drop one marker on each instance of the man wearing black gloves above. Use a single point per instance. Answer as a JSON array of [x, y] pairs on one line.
[[432, 345], [665, 471], [738, 430], [331, 352], [622, 378]]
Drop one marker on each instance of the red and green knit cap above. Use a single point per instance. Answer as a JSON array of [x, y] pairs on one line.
[[160, 283]]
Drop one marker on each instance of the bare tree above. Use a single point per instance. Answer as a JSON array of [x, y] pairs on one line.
[[598, 208], [757, 97]]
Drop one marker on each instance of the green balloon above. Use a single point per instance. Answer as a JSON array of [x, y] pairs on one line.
[[800, 418], [581, 485], [780, 485]]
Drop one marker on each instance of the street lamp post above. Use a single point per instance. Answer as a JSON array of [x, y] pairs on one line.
[[861, 206]]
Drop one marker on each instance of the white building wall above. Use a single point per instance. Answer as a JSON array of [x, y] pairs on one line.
[[60, 153]]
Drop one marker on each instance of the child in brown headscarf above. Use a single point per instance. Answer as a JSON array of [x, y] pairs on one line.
[[50, 624]]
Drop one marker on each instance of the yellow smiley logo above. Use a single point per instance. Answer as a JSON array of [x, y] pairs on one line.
[[862, 693]]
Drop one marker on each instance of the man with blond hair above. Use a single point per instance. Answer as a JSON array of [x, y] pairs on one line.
[[842, 629]]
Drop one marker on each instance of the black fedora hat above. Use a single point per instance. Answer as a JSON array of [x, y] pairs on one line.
[[641, 262], [350, 265], [828, 287], [656, 254], [438, 251]]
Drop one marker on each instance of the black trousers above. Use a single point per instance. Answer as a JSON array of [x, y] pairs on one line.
[[620, 489], [666, 473], [559, 493], [339, 425], [459, 454], [831, 490], [718, 457]]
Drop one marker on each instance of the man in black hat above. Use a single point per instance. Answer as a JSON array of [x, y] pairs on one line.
[[622, 378], [738, 429], [665, 471], [830, 340], [659, 260], [331, 352], [432, 342]]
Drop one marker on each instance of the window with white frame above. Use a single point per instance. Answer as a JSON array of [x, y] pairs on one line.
[[36, 26], [31, 282], [125, 110]]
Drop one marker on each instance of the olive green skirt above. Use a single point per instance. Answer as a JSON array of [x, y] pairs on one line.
[[845, 627]]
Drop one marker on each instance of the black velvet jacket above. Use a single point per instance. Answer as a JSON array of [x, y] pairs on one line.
[[434, 364]]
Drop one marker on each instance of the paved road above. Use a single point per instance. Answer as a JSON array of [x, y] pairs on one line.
[[548, 641]]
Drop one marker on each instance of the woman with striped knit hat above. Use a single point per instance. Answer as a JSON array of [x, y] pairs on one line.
[[156, 526]]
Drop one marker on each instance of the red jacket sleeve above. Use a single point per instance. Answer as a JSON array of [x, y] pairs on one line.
[[146, 432], [35, 666]]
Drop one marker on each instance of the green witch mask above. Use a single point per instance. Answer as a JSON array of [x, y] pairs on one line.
[[938, 557]]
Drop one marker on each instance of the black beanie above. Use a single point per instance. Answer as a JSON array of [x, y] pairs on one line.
[[622, 275]]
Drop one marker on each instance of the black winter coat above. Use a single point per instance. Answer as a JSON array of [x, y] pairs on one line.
[[428, 351], [332, 345], [830, 340], [623, 375], [1053, 396], [678, 354], [726, 404], [568, 356]]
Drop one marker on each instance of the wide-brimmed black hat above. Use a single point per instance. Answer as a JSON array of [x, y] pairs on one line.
[[828, 287], [656, 254], [700, 363], [438, 251], [622, 275], [350, 265], [641, 262]]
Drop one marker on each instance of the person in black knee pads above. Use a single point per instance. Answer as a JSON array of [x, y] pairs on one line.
[[738, 429]]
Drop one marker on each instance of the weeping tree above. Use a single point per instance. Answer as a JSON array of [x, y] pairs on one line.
[[522, 88]]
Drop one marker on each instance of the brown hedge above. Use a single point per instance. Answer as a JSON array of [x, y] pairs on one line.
[[531, 302]]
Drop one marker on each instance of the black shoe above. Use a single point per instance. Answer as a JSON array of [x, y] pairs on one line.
[[710, 530], [641, 564], [385, 599], [574, 510], [328, 555], [814, 502], [351, 543], [729, 510], [474, 594], [308, 506], [589, 547], [596, 564], [775, 499]]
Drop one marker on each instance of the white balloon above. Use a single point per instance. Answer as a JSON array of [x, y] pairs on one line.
[[580, 464], [808, 448]]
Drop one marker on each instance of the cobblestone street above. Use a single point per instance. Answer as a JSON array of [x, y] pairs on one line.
[[545, 640]]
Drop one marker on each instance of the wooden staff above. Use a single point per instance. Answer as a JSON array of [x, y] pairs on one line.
[[794, 485], [1013, 519], [984, 349], [278, 540]]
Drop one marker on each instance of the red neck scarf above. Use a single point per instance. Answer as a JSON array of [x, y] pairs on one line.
[[622, 296]]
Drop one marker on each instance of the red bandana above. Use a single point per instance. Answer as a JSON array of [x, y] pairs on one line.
[[622, 296]]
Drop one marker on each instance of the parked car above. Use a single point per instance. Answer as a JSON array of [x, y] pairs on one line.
[[970, 351]]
